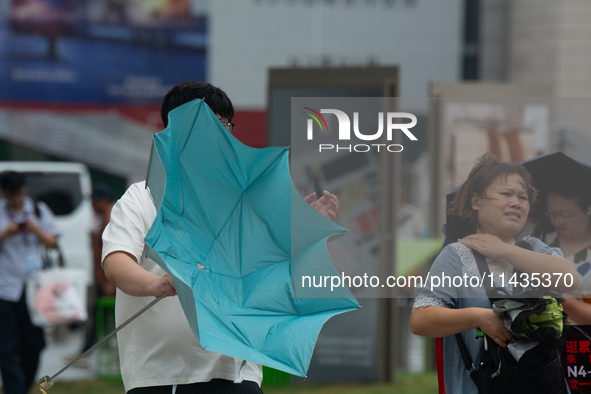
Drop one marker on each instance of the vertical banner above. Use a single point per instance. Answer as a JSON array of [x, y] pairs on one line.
[[576, 358]]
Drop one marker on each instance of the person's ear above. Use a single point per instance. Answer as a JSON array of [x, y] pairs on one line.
[[589, 210], [476, 203]]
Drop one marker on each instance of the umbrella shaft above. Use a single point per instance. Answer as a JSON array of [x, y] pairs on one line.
[[151, 304]]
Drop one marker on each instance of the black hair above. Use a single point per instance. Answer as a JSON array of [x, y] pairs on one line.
[[568, 187], [579, 192], [184, 92], [12, 181], [487, 169]]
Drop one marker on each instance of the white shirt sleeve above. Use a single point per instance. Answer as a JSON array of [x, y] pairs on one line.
[[47, 220], [129, 225]]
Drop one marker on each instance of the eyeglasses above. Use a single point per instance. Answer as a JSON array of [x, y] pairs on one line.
[[229, 126], [560, 217]]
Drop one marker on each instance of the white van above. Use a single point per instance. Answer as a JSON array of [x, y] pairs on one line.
[[66, 188]]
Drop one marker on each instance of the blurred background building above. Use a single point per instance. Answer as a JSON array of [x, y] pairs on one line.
[[91, 73], [81, 80]]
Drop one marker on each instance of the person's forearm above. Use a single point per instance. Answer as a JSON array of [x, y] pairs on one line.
[[125, 273], [437, 321], [50, 241], [578, 310], [4, 235], [532, 262]]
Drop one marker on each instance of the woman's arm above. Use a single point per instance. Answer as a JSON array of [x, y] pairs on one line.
[[523, 259], [438, 321]]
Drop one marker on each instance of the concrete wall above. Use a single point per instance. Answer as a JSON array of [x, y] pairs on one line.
[[249, 36]]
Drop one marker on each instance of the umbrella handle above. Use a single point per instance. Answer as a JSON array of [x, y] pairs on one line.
[[46, 382]]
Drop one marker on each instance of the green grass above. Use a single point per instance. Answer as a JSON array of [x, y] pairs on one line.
[[405, 384]]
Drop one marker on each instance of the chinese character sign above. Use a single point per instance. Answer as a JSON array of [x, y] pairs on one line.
[[576, 358]]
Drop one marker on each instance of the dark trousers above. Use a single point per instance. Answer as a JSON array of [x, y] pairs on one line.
[[217, 386], [20, 346]]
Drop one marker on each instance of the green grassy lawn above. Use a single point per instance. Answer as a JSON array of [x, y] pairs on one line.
[[406, 384]]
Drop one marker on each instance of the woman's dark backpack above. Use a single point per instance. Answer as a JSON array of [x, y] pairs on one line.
[[538, 370]]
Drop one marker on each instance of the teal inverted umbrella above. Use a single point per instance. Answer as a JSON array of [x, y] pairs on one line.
[[237, 239]]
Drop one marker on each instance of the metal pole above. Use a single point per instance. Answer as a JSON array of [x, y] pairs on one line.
[[46, 382]]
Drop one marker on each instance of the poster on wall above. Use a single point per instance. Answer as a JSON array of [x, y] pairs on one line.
[[348, 345], [512, 132], [100, 51]]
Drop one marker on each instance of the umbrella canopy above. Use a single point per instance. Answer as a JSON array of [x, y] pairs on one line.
[[455, 226], [237, 238], [545, 170], [556, 166]]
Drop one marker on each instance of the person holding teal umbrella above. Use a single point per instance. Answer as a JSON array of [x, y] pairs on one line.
[[159, 352]]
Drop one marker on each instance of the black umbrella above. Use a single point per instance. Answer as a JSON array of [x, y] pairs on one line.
[[556, 166], [545, 170], [455, 226]]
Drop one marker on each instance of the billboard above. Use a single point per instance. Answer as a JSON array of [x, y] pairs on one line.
[[513, 132], [104, 51]]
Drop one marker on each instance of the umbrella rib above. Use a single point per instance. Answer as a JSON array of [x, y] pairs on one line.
[[192, 127], [243, 195], [268, 226]]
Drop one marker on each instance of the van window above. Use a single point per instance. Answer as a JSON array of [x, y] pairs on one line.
[[60, 191]]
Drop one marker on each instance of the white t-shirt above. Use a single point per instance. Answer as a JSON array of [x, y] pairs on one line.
[[158, 348]]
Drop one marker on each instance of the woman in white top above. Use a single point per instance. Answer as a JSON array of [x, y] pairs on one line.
[[567, 226]]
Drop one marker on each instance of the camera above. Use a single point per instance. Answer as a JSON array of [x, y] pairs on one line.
[[22, 226]]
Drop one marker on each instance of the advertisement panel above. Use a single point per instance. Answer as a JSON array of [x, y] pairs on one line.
[[108, 51], [512, 132]]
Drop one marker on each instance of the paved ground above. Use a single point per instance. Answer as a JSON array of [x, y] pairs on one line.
[[416, 356], [58, 347], [64, 343]]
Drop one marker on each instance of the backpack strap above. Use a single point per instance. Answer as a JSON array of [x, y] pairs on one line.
[[468, 363], [37, 210], [45, 256], [484, 270]]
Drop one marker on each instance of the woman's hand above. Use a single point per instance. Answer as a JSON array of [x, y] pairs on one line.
[[487, 244], [438, 321], [526, 261], [492, 325]]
